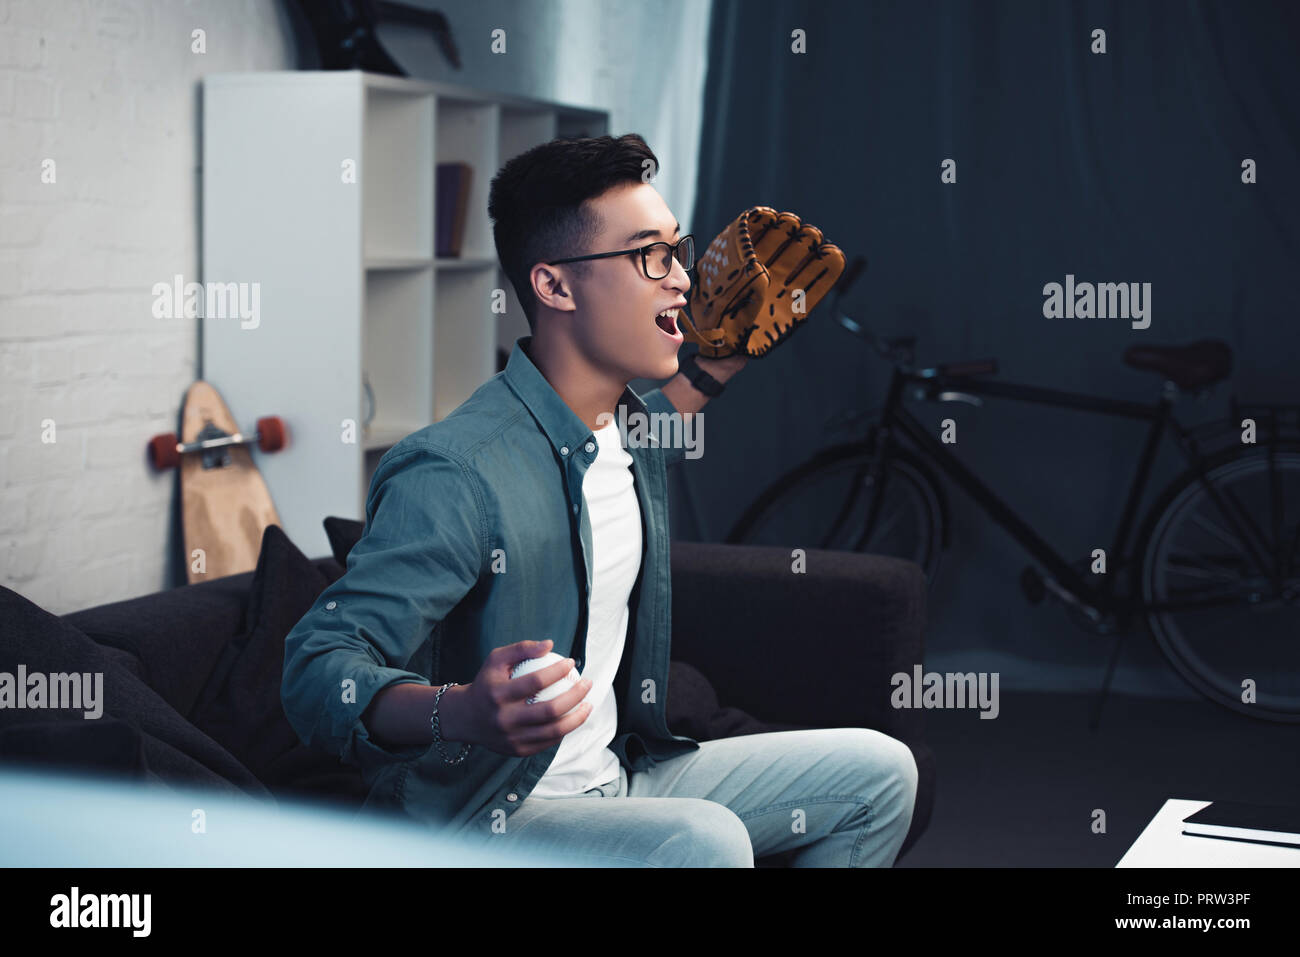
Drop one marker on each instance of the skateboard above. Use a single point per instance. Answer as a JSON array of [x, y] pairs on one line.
[[225, 505]]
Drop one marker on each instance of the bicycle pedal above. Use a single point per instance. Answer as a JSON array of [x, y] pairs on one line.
[[1032, 584]]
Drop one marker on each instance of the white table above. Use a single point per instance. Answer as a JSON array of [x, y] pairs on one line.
[[1163, 844]]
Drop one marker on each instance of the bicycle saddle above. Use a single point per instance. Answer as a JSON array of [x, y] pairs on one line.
[[1192, 366]]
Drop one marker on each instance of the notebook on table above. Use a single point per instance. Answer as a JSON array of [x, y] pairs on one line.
[[1237, 821]]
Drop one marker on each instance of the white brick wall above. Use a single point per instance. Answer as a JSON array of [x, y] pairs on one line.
[[109, 91]]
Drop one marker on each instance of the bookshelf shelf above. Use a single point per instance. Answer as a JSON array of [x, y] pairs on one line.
[[398, 262], [473, 262]]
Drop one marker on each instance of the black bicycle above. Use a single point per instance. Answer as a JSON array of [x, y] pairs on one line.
[[1214, 567]]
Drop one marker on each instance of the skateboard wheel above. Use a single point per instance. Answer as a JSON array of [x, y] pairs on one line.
[[271, 433], [162, 451]]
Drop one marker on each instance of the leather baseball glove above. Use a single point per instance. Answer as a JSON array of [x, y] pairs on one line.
[[757, 282]]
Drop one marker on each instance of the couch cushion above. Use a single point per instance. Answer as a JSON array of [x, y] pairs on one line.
[[240, 705], [170, 748]]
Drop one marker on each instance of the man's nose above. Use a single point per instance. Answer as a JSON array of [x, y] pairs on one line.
[[678, 278]]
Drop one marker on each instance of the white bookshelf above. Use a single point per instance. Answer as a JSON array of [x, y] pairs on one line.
[[351, 288]]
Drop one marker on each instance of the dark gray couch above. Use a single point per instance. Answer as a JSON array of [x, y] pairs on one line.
[[191, 673]]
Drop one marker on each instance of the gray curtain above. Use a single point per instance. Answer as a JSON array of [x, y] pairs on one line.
[[1117, 167]]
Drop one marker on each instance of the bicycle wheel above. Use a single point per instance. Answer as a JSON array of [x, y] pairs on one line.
[[824, 503], [1236, 621]]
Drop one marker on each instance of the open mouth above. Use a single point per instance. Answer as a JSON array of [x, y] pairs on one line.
[[667, 321]]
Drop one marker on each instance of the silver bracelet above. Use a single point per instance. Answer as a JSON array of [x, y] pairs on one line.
[[437, 732]]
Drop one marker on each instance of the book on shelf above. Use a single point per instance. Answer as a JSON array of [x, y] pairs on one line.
[[452, 205]]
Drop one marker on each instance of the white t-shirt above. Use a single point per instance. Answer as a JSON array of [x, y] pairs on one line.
[[584, 759]]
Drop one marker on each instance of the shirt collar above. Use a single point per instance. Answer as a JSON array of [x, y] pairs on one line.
[[560, 423]]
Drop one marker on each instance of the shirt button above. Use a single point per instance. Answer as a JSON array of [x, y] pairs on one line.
[[591, 446], [331, 605], [564, 450], [512, 796]]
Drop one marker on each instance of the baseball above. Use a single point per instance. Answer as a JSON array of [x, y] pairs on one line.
[[529, 665]]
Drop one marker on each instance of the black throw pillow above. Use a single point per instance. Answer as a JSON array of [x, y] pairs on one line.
[[138, 733], [106, 744], [343, 533], [240, 705], [692, 709]]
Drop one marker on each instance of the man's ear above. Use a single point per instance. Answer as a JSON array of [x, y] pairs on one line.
[[551, 286]]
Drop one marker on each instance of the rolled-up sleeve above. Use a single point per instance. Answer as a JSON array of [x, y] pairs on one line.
[[422, 551], [656, 401]]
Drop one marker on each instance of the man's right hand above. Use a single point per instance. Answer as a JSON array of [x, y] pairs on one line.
[[493, 709]]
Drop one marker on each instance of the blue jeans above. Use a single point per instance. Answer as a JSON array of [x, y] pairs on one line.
[[839, 797]]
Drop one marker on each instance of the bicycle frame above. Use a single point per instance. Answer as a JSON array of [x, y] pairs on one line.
[[932, 384]]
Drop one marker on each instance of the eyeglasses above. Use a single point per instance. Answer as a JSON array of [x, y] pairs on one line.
[[656, 259]]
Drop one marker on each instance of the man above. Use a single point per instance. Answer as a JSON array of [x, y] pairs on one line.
[[528, 520]]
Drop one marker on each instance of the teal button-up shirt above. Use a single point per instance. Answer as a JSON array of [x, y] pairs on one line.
[[476, 537]]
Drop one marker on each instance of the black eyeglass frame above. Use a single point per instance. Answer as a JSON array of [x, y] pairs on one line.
[[644, 251]]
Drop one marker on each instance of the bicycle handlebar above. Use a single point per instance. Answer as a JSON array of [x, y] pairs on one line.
[[856, 267], [900, 349], [851, 273]]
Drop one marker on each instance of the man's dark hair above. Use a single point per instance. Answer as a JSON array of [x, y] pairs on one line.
[[536, 202]]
